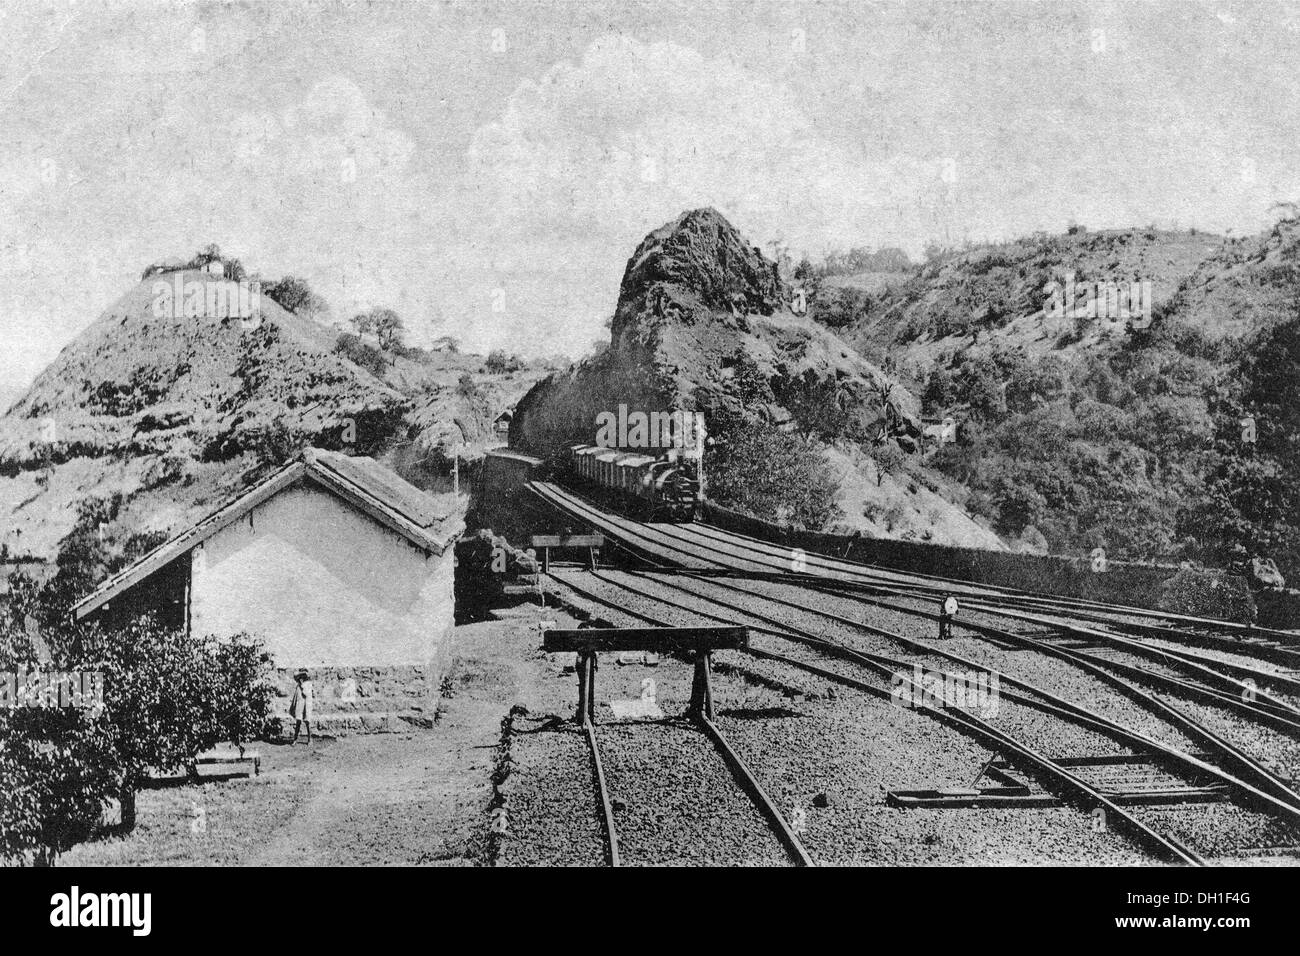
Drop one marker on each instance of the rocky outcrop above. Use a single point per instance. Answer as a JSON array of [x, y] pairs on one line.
[[704, 322]]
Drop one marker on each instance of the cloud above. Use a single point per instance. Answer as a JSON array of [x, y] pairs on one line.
[[585, 160]]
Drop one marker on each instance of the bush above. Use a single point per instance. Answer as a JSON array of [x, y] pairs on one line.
[[236, 695], [58, 770], [295, 295], [350, 346], [759, 469], [167, 698], [499, 363]]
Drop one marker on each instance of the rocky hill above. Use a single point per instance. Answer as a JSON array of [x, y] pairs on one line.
[[149, 417], [1078, 431], [997, 295], [705, 322]]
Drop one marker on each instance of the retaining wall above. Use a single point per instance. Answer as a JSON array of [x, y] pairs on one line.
[[1136, 585]]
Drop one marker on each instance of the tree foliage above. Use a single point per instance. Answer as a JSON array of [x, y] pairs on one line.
[[757, 468], [166, 697], [295, 295]]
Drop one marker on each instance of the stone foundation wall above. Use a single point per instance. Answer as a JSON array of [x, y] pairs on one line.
[[365, 699]]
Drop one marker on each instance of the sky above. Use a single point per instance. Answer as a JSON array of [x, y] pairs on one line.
[[487, 169]]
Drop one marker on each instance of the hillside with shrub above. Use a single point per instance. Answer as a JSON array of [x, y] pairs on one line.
[[1077, 431], [152, 417], [802, 428]]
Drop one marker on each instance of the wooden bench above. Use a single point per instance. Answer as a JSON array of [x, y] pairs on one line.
[[250, 756]]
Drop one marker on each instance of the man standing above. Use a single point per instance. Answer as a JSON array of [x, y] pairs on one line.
[[300, 707]]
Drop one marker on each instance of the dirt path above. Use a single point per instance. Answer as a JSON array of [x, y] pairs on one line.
[[419, 797], [416, 798]]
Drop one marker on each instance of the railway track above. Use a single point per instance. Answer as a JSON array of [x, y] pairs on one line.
[[653, 545], [1225, 638], [1071, 782], [662, 803], [1233, 756], [703, 544], [1236, 687], [1071, 779], [1081, 608]]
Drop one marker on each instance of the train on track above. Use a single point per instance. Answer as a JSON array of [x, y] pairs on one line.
[[660, 488]]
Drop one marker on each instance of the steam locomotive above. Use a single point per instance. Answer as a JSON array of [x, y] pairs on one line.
[[664, 488]]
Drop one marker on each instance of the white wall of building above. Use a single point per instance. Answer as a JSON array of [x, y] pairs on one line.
[[323, 584]]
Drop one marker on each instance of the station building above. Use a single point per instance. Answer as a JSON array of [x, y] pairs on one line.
[[340, 566]]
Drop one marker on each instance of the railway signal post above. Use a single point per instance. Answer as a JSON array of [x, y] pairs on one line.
[[947, 612]]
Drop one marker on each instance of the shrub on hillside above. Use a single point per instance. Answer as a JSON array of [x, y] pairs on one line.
[[756, 468], [350, 346], [295, 295], [499, 363]]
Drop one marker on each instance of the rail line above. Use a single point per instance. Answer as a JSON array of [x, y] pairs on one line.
[[602, 792], [1008, 593], [1262, 781], [1281, 646], [741, 772], [1248, 767], [1270, 651], [1264, 790], [1276, 713], [885, 668]]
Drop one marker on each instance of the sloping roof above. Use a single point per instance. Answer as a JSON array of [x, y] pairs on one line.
[[362, 482]]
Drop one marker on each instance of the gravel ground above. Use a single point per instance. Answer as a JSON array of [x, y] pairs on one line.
[[809, 756], [1218, 831], [552, 814], [801, 758], [676, 801], [1242, 659], [1274, 749], [834, 754]]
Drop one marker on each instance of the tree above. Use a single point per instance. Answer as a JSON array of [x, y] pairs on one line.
[[756, 467], [821, 406], [499, 363], [363, 322], [384, 323], [467, 388], [58, 770], [295, 295], [236, 696], [389, 328], [888, 457], [154, 694]]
